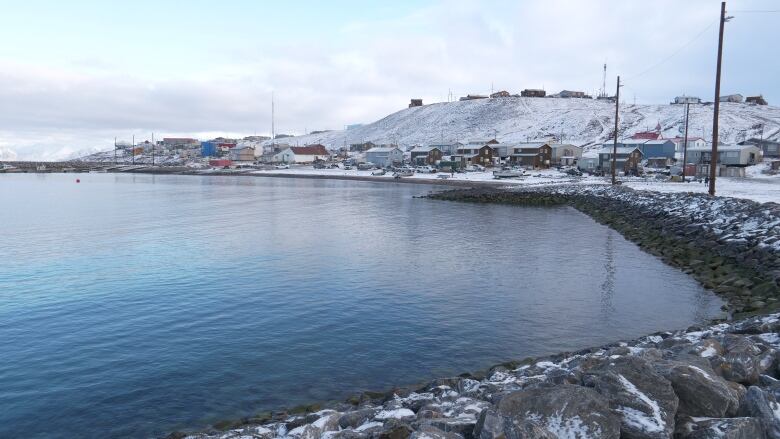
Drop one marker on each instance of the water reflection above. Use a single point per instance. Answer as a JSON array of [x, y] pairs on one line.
[[608, 286]]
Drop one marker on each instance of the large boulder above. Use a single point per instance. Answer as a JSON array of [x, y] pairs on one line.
[[722, 428], [492, 425], [699, 390], [741, 362], [642, 398], [567, 411], [763, 406]]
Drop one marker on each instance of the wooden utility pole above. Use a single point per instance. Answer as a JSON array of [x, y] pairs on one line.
[[714, 154], [133, 149], [685, 139], [614, 141], [152, 149]]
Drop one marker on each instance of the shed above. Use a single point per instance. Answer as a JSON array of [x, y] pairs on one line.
[[385, 156]]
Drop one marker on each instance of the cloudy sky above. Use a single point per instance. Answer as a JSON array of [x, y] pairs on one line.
[[75, 74]]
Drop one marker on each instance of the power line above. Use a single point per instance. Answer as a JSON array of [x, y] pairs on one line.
[[675, 53]]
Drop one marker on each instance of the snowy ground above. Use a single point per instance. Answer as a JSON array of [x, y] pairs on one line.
[[757, 186]]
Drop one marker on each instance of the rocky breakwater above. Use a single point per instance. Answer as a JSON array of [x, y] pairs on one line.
[[731, 246], [704, 382]]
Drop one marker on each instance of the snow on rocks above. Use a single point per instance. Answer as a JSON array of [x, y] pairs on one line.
[[669, 384]]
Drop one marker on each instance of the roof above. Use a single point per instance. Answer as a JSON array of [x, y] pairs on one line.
[[651, 135], [657, 142], [309, 150], [424, 148], [525, 154], [722, 148], [620, 150], [383, 149], [529, 145]]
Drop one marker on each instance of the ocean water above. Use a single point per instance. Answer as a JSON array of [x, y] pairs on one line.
[[134, 305]]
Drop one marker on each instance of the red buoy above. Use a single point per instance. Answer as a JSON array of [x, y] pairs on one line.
[[78, 181]]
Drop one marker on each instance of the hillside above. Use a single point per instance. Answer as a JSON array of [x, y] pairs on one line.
[[582, 121]]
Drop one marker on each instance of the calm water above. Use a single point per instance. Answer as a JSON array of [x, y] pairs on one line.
[[132, 305]]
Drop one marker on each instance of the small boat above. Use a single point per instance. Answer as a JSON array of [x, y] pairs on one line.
[[507, 173], [403, 173]]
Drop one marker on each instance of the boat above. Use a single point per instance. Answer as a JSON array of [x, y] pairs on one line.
[[507, 173], [403, 173]]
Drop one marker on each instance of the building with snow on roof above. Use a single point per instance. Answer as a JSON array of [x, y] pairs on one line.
[[384, 156], [302, 154]]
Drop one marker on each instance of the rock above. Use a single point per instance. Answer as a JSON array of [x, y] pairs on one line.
[[643, 399], [401, 413], [739, 367], [763, 406], [357, 417], [700, 391], [398, 432], [723, 428], [566, 411], [431, 432], [492, 425]]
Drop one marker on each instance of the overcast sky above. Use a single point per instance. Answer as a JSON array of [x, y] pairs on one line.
[[75, 74]]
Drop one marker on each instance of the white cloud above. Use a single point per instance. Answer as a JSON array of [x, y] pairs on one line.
[[364, 70]]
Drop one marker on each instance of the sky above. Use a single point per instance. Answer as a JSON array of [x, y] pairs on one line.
[[74, 75]]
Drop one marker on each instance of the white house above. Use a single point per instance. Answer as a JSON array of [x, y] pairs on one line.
[[588, 162], [302, 154], [565, 154], [385, 156]]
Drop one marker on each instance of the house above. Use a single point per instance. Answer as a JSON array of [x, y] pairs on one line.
[[189, 153], [384, 156], [737, 98], [565, 154], [649, 148], [758, 100], [472, 154], [649, 135], [500, 94], [657, 148], [416, 103], [447, 148], [243, 153], [693, 142], [686, 100], [425, 155], [589, 162], [627, 159], [533, 93], [208, 149], [728, 155], [532, 155], [770, 148], [361, 147], [179, 142], [571, 94], [302, 154], [659, 162], [472, 97], [220, 163]]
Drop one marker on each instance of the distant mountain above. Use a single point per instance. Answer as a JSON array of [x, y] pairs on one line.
[[8, 154], [582, 121]]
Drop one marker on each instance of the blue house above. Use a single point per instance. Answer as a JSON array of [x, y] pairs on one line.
[[650, 148], [208, 149]]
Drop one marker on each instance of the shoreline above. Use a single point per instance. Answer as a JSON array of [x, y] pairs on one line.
[[712, 257]]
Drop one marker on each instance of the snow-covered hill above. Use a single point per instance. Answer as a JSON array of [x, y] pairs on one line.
[[583, 121]]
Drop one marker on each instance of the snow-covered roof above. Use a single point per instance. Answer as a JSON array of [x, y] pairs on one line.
[[620, 150], [423, 148], [724, 147], [382, 149]]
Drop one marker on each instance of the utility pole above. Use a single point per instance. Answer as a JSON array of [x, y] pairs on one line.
[[716, 110], [273, 134], [133, 148], [115, 151], [685, 139], [614, 141], [152, 149]]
